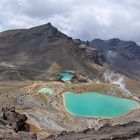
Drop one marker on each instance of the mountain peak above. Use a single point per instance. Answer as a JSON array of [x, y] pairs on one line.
[[115, 40], [46, 30], [47, 25]]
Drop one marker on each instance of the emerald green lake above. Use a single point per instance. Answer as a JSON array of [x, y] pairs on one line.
[[46, 91], [66, 76], [97, 105]]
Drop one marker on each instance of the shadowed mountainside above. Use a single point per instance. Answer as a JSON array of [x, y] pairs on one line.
[[29, 53], [121, 56]]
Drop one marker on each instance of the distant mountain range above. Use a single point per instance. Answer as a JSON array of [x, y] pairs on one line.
[[31, 53], [120, 56]]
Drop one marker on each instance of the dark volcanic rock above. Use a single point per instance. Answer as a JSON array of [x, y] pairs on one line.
[[16, 120], [128, 49], [92, 54], [121, 56], [127, 131], [29, 53], [13, 126]]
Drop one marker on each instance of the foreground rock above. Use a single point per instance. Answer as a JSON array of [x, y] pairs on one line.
[[13, 125], [128, 131], [16, 120]]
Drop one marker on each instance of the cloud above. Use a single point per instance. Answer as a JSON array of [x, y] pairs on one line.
[[87, 19]]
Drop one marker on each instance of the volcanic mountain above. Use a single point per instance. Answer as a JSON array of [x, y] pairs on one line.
[[32, 53], [121, 56]]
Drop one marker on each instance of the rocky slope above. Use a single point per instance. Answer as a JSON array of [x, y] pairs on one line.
[[107, 132], [31, 53], [121, 56], [17, 129], [117, 55], [47, 116]]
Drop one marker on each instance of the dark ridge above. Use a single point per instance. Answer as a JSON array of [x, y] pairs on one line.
[[107, 132], [120, 56]]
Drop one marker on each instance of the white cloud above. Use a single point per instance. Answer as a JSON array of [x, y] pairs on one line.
[[86, 19]]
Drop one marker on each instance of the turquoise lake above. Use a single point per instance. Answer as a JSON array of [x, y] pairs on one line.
[[66, 76], [97, 105]]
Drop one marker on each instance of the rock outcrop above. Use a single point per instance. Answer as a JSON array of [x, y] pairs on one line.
[[15, 120], [13, 126], [128, 131]]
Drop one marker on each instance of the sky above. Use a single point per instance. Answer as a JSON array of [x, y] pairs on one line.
[[83, 19]]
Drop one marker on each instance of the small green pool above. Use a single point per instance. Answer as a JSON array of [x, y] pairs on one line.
[[97, 105], [46, 91], [66, 76]]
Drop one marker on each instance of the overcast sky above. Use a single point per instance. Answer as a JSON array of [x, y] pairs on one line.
[[84, 19]]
